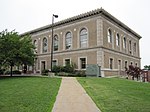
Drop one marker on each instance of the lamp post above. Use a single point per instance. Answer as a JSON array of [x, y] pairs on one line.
[[53, 16]]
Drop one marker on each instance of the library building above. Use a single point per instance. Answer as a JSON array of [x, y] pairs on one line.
[[95, 37]]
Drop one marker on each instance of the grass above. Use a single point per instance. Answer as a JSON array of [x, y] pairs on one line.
[[118, 95], [28, 94]]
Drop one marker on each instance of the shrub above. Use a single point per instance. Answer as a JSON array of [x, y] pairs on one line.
[[2, 71], [45, 72], [80, 73], [57, 69], [68, 69], [16, 72], [13, 72]]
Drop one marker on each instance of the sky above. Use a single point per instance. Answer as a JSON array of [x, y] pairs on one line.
[[26, 15]]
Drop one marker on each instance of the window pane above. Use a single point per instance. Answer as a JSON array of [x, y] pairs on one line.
[[55, 43], [68, 40], [83, 38], [83, 63], [67, 61], [54, 63], [36, 46], [134, 47], [109, 35], [126, 64], [124, 43], [111, 63], [130, 45], [117, 40], [44, 45], [84, 44]]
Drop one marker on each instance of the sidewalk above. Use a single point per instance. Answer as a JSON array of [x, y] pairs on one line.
[[73, 98]]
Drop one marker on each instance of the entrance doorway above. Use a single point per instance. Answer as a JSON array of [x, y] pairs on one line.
[[42, 65]]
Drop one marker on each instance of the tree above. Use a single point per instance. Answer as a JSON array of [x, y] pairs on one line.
[[147, 67], [133, 71], [15, 50]]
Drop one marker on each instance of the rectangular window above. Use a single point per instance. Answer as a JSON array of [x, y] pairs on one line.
[[43, 65], [119, 64], [54, 63], [56, 48], [130, 50], [126, 64], [134, 47], [83, 63], [136, 64], [111, 63], [130, 45], [67, 62]]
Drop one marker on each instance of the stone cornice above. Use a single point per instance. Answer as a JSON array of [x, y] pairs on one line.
[[100, 11], [87, 50]]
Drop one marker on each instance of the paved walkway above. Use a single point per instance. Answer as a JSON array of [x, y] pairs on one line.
[[73, 98]]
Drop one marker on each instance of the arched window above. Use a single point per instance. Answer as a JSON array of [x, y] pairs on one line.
[[68, 40], [124, 42], [36, 45], [83, 38], [109, 35], [55, 46], [117, 40], [45, 45]]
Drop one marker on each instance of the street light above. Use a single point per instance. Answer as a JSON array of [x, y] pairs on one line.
[[53, 16]]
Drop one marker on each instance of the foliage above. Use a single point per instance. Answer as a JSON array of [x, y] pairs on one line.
[[45, 72], [118, 95], [28, 94], [147, 67], [13, 72], [69, 68], [15, 50], [80, 73], [57, 69], [77, 73], [2, 71], [133, 71]]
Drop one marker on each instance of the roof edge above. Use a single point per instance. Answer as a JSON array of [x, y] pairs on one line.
[[84, 15]]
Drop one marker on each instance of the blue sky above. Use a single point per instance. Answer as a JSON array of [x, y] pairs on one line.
[[26, 15]]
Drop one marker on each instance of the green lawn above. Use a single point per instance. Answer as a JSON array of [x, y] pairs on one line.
[[118, 95], [28, 94]]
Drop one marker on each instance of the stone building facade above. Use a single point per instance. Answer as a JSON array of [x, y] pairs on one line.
[[95, 37]]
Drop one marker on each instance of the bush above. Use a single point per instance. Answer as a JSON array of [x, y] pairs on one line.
[[68, 69], [13, 72], [57, 69], [16, 72], [80, 73], [2, 71], [66, 74], [7, 72], [45, 72]]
